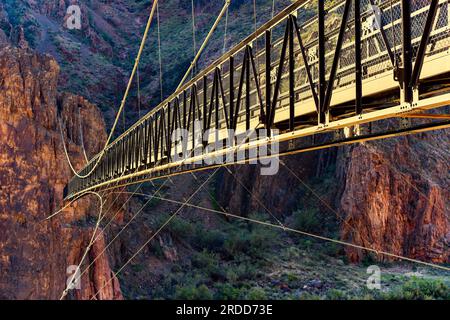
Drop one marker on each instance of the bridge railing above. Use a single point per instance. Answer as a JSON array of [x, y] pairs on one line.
[[310, 64]]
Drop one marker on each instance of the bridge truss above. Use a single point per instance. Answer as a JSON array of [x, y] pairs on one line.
[[316, 75]]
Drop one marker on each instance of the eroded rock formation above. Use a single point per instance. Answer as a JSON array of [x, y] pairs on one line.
[[391, 195], [396, 197], [35, 253]]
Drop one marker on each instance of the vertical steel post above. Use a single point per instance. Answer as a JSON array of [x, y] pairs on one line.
[[322, 66], [194, 101], [358, 63], [169, 133], [127, 152], [184, 109], [216, 109], [205, 103], [247, 90], [231, 79], [268, 76], [407, 51], [130, 150], [291, 75]]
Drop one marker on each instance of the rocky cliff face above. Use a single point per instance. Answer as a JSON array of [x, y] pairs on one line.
[[391, 195], [35, 253], [245, 190], [96, 60], [396, 197]]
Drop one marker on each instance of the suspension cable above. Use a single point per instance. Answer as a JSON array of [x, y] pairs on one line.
[[282, 227], [256, 40], [148, 241], [122, 105], [138, 81], [91, 242], [151, 197], [127, 224], [211, 196], [159, 54], [253, 196], [79, 197], [101, 217], [225, 33], [124, 122], [205, 42], [82, 137], [194, 37], [273, 8], [159, 230], [254, 16], [301, 181]]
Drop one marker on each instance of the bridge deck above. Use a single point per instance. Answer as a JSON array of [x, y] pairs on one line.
[[318, 83]]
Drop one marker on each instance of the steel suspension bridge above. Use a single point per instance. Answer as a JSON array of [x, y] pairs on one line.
[[318, 74], [343, 71]]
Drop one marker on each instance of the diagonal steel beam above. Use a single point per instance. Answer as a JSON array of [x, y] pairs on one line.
[[276, 91], [224, 99], [240, 89], [305, 61], [337, 53], [385, 39], [424, 43], [256, 79]]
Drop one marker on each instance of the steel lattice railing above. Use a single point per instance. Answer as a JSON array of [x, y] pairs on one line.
[[307, 72]]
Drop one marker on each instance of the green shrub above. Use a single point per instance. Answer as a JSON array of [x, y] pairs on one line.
[[309, 296], [191, 292], [292, 253], [137, 267], [203, 293], [237, 242], [250, 239], [208, 263], [306, 243], [332, 249], [307, 220], [335, 294], [256, 293], [411, 289], [261, 238], [181, 228], [226, 291], [292, 277], [204, 259], [156, 249], [242, 271], [211, 239], [419, 289]]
